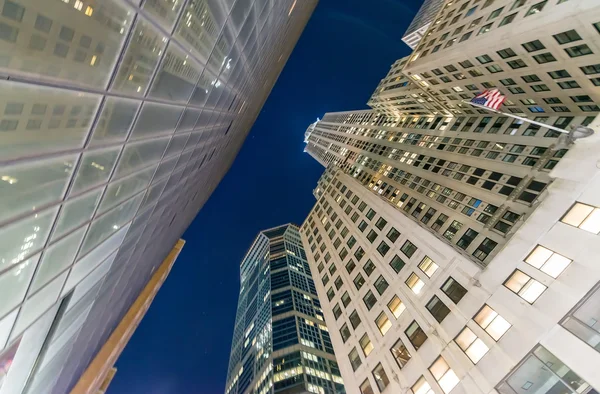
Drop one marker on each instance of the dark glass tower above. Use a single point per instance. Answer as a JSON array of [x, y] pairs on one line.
[[280, 342]]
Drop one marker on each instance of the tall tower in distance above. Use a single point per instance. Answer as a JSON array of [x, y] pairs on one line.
[[456, 247], [280, 341]]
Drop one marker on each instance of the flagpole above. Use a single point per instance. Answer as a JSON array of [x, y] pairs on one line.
[[518, 117]]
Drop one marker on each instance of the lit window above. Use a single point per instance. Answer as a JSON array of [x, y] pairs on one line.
[[415, 283], [585, 217], [366, 345], [445, 376], [473, 346], [428, 266], [524, 286], [400, 353], [422, 387], [383, 323], [547, 261], [492, 322], [89, 11], [396, 306]]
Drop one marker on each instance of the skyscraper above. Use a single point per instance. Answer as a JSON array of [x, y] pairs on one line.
[[118, 119], [280, 341], [464, 240], [421, 22]]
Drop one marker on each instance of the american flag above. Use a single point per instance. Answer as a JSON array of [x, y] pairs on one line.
[[489, 98]]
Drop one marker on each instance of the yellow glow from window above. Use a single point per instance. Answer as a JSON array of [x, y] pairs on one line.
[[89, 11]]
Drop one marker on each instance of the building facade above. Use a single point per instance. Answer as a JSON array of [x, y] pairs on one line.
[[455, 247], [280, 341], [118, 119]]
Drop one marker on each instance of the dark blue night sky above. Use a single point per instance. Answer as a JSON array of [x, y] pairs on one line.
[[182, 345]]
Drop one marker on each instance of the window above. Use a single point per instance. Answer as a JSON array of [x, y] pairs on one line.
[[484, 249], [578, 50], [415, 335], [355, 360], [507, 19], [330, 292], [534, 9], [445, 376], [337, 311], [362, 226], [559, 74], [506, 53], [421, 386], [531, 78], [437, 308], [400, 353], [365, 387], [338, 283], [381, 285], [516, 64], [581, 99], [471, 344], [533, 46], [369, 267], [547, 261], [13, 11], [366, 345], [371, 214], [369, 299], [346, 299], [345, 332], [484, 29], [551, 376], [408, 249], [524, 286], [567, 36], [350, 266], [484, 59], [383, 248], [428, 266], [372, 236], [362, 206], [494, 68], [415, 283], [354, 319], [359, 281], [495, 13], [452, 229], [471, 11], [540, 88], [380, 377], [453, 290], [383, 323], [359, 253], [393, 234], [591, 69], [491, 322], [396, 306], [380, 224], [467, 238], [568, 85]]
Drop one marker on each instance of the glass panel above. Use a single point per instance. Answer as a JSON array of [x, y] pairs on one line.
[[115, 120], [6, 325], [37, 120], [177, 76], [164, 11], [577, 214], [24, 237], [57, 257], [24, 187], [533, 376], [37, 304], [51, 41], [177, 143], [14, 283], [104, 226], [198, 29], [141, 58], [76, 211], [123, 189], [95, 169], [202, 88], [156, 119], [165, 167], [139, 155], [153, 193], [87, 264], [188, 120]]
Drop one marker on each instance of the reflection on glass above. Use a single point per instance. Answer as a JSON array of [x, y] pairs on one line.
[[543, 373], [177, 76], [198, 29], [140, 154], [25, 187], [14, 283], [177, 143], [584, 322], [164, 11], [188, 120], [140, 60], [76, 211], [204, 86], [57, 257], [114, 121], [156, 119], [95, 169], [36, 120], [54, 39], [21, 239], [125, 188]]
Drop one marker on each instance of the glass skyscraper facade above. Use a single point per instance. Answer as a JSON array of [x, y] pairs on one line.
[[118, 118], [280, 341]]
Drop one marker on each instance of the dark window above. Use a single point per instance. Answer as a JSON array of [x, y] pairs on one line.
[[345, 332], [370, 299], [359, 281], [544, 58], [393, 234], [346, 299], [578, 50], [506, 53], [453, 290], [380, 377], [397, 263], [408, 248], [533, 46], [381, 222], [567, 36], [467, 238], [381, 285], [438, 309], [383, 248], [355, 319], [356, 362], [484, 249], [415, 335], [369, 267]]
